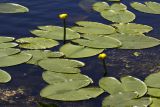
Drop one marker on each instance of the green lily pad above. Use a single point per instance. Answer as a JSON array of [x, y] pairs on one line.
[[42, 54], [100, 6], [4, 39], [14, 59], [153, 80], [139, 41], [55, 32], [148, 7], [8, 45], [155, 102], [61, 65], [8, 51], [58, 78], [76, 51], [71, 92], [36, 43], [98, 42], [12, 8], [89, 27], [154, 92], [4, 76], [128, 99], [132, 28], [128, 84]]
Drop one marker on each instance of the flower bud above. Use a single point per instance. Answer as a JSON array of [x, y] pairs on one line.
[[102, 56], [63, 16]]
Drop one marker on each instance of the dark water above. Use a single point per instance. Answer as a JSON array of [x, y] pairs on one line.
[[26, 79]]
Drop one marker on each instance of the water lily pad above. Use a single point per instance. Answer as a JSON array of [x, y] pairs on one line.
[[71, 92], [148, 7], [132, 28], [36, 43], [153, 80], [14, 59], [58, 78], [155, 102], [98, 42], [42, 54], [4, 76], [76, 51], [154, 92], [12, 8], [8, 51], [4, 39], [128, 99], [61, 65], [8, 45], [139, 41], [55, 32], [89, 27], [128, 84], [100, 6]]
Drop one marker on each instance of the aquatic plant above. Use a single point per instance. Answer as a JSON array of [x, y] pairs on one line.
[[102, 57]]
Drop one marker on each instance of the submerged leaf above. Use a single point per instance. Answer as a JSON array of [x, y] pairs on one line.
[[148, 7], [14, 59], [4, 76], [61, 65], [36, 43], [12, 8], [55, 32], [76, 51], [42, 54], [58, 78]]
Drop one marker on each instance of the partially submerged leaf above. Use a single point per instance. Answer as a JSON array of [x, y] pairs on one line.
[[154, 92], [8, 45], [4, 39], [4, 76], [58, 78], [42, 54], [100, 6], [14, 59], [55, 32], [61, 65], [12, 8], [36, 43], [76, 51], [70, 92], [148, 7], [89, 27], [8, 51], [155, 102]]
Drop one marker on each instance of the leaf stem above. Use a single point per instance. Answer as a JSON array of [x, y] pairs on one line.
[[104, 66], [64, 33]]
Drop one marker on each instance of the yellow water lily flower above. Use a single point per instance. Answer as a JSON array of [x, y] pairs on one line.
[[63, 16], [102, 56]]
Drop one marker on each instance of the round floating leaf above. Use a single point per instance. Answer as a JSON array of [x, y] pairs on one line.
[[111, 85], [99, 42], [89, 27], [118, 7], [154, 92], [55, 32], [8, 45], [128, 99], [136, 41], [4, 76], [14, 59], [130, 83], [12, 8], [100, 6], [36, 43], [70, 92], [42, 54], [124, 16], [58, 78], [132, 28], [155, 102], [153, 80], [8, 51], [4, 39], [75, 51], [148, 7], [61, 65]]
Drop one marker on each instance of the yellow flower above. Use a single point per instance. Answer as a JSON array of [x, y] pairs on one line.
[[63, 16], [102, 56]]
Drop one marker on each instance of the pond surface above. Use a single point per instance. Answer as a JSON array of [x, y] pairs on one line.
[[23, 90]]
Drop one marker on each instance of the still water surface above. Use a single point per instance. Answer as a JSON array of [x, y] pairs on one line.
[[26, 79]]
